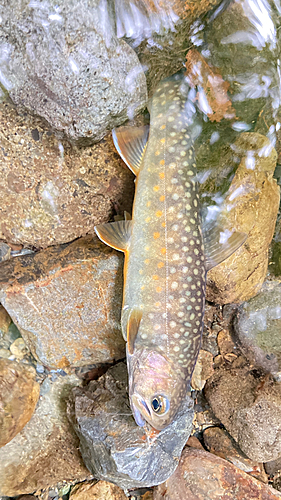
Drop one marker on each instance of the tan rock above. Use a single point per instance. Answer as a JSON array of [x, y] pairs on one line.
[[45, 452], [52, 193], [66, 302], [203, 370], [250, 207], [18, 348], [19, 393], [97, 491]]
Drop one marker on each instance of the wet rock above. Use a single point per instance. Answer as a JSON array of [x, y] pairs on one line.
[[258, 327], [97, 491], [5, 251], [19, 393], [217, 441], [193, 442], [66, 302], [5, 321], [113, 447], [59, 192], [203, 476], [203, 370], [273, 469], [63, 62], [46, 450], [250, 207], [249, 406]]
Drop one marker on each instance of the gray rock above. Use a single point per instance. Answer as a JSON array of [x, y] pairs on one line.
[[258, 327], [61, 60], [46, 450], [113, 447]]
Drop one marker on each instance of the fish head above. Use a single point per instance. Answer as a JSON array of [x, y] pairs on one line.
[[156, 388]]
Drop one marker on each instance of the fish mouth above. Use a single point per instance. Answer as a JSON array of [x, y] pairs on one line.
[[140, 410]]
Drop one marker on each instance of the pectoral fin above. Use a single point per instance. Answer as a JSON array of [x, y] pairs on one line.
[[130, 143], [115, 234], [219, 244], [133, 328]]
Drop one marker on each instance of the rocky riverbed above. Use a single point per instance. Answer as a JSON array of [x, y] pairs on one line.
[[69, 73]]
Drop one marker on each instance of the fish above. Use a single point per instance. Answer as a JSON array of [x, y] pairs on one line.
[[168, 252]]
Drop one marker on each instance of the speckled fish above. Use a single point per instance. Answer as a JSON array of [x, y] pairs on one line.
[[166, 257]]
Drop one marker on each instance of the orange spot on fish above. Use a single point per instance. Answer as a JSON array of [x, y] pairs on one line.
[[156, 235], [148, 204], [157, 304], [162, 127], [162, 198], [141, 271], [155, 188], [147, 219], [162, 162], [160, 264], [143, 287], [159, 213], [158, 289], [155, 277], [163, 224], [146, 261], [157, 153], [163, 140], [163, 251], [161, 175]]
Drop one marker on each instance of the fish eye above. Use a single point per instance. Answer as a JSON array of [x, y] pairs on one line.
[[160, 404]]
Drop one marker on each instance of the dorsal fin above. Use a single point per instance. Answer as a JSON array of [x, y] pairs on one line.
[[133, 328], [115, 234], [130, 143], [220, 243]]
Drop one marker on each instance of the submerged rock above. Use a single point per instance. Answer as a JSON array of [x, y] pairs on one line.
[[66, 302], [113, 447], [217, 441], [52, 193], [19, 393], [203, 476], [46, 450], [258, 327], [62, 61], [203, 370], [251, 207], [249, 406]]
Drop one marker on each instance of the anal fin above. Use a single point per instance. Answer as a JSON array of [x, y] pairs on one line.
[[133, 328], [130, 143], [115, 234]]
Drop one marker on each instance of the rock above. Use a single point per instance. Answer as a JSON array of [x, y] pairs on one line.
[[19, 393], [258, 327], [250, 207], [193, 442], [5, 251], [46, 450], [59, 192], [249, 406], [5, 353], [113, 447], [66, 302], [63, 62], [203, 476], [273, 469], [97, 491], [217, 441], [18, 348], [203, 370], [5, 321]]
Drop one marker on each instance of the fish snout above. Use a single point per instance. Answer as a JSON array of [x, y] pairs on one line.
[[140, 409]]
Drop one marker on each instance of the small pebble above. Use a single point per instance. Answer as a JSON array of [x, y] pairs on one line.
[[18, 348], [5, 353]]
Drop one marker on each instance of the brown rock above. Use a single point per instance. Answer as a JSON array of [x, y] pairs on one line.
[[66, 302], [51, 192], [217, 441], [45, 452], [194, 442], [249, 406], [5, 321], [19, 393], [203, 370], [97, 491], [254, 201], [203, 476]]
